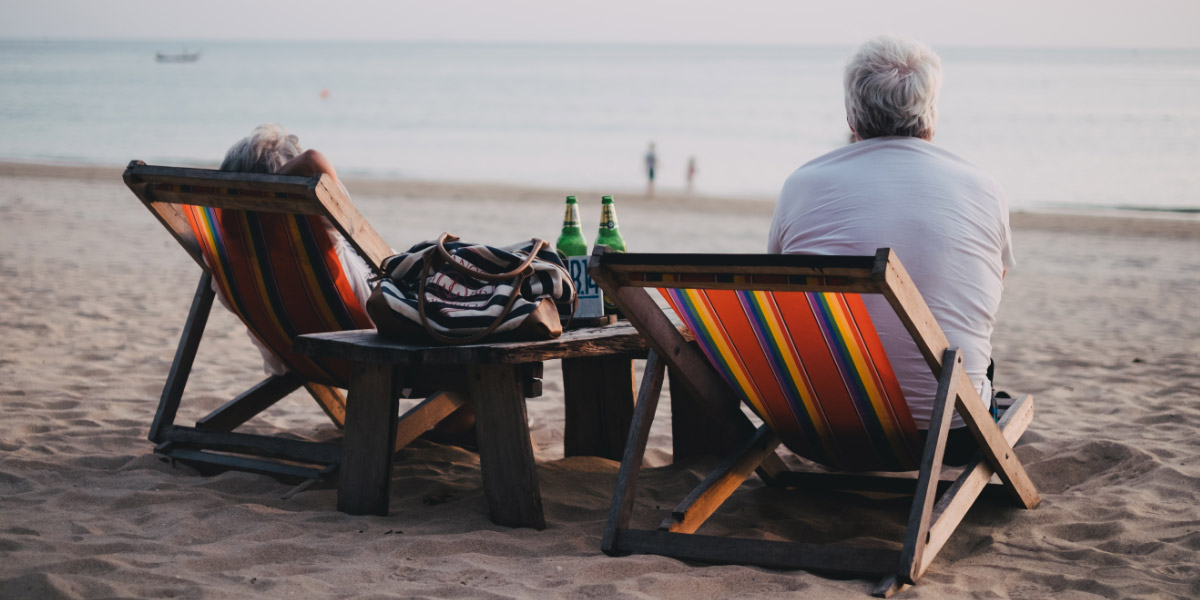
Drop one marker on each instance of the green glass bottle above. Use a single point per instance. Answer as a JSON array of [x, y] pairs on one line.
[[571, 241], [609, 235]]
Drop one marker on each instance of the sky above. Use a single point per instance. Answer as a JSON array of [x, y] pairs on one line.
[[1071, 23]]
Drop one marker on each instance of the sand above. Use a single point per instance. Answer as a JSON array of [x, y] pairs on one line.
[[1099, 321]]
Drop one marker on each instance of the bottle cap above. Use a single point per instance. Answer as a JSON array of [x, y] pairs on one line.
[[606, 199], [570, 199]]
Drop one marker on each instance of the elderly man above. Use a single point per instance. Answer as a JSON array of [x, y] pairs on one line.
[[946, 219]]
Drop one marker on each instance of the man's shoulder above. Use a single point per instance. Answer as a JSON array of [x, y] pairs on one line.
[[892, 167], [952, 158]]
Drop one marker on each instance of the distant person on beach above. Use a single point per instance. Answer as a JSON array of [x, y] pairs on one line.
[[946, 219], [651, 166], [691, 173]]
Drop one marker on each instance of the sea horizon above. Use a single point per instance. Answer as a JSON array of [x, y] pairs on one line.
[[1061, 127]]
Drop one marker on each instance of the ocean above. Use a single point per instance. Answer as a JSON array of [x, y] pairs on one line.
[[1060, 128]]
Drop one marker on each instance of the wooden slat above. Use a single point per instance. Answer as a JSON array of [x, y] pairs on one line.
[[910, 307], [740, 264], [915, 314], [221, 199], [357, 346], [931, 465], [842, 559], [599, 393], [340, 211], [753, 271], [269, 182], [771, 468], [365, 477], [185, 355], [331, 400], [857, 286], [960, 497], [424, 416], [367, 346], [707, 497], [996, 449], [531, 379], [872, 481], [169, 215], [505, 451], [200, 459], [290, 194], [249, 403], [257, 445], [579, 343], [888, 586], [621, 509]]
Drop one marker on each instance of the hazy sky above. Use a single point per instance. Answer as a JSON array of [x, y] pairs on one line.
[[1138, 23]]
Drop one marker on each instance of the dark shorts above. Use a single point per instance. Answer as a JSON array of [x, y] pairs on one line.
[[960, 446], [651, 173], [960, 443]]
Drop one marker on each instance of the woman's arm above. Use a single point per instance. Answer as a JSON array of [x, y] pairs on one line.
[[309, 162]]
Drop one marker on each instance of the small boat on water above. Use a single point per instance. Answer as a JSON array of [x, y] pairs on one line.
[[177, 57]]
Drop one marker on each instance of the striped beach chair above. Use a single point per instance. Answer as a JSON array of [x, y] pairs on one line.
[[790, 337], [262, 240]]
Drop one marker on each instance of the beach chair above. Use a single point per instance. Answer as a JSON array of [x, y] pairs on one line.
[[789, 336], [261, 238]]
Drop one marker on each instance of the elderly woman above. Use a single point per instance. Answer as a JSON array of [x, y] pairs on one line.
[[946, 219], [270, 149]]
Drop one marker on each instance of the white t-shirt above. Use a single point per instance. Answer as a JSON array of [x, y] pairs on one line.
[[946, 220]]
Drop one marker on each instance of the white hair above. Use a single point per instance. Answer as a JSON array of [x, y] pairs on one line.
[[265, 150], [892, 87]]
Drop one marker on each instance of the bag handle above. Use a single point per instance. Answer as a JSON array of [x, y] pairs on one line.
[[524, 269], [519, 275]]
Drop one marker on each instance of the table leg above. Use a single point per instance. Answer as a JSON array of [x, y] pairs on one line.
[[599, 394], [505, 450], [364, 482]]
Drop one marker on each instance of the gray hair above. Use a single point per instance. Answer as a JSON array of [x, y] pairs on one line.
[[892, 87], [265, 150]]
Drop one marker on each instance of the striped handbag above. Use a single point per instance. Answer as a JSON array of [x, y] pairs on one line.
[[455, 292]]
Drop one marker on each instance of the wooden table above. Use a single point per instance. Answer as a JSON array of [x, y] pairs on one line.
[[598, 384]]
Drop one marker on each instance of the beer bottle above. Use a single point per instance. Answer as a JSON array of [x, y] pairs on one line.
[[609, 235], [571, 241]]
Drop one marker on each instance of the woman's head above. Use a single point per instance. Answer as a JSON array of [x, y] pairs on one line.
[[892, 87], [265, 150]]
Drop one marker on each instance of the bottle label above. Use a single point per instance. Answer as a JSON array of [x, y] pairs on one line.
[[571, 216], [608, 218], [591, 297]]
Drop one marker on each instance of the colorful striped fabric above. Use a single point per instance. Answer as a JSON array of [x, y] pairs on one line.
[[811, 365], [281, 275]]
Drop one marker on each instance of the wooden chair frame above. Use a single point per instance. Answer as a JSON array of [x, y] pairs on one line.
[[212, 445], [624, 278]]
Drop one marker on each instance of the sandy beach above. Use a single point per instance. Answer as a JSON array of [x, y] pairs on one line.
[[1099, 322]]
